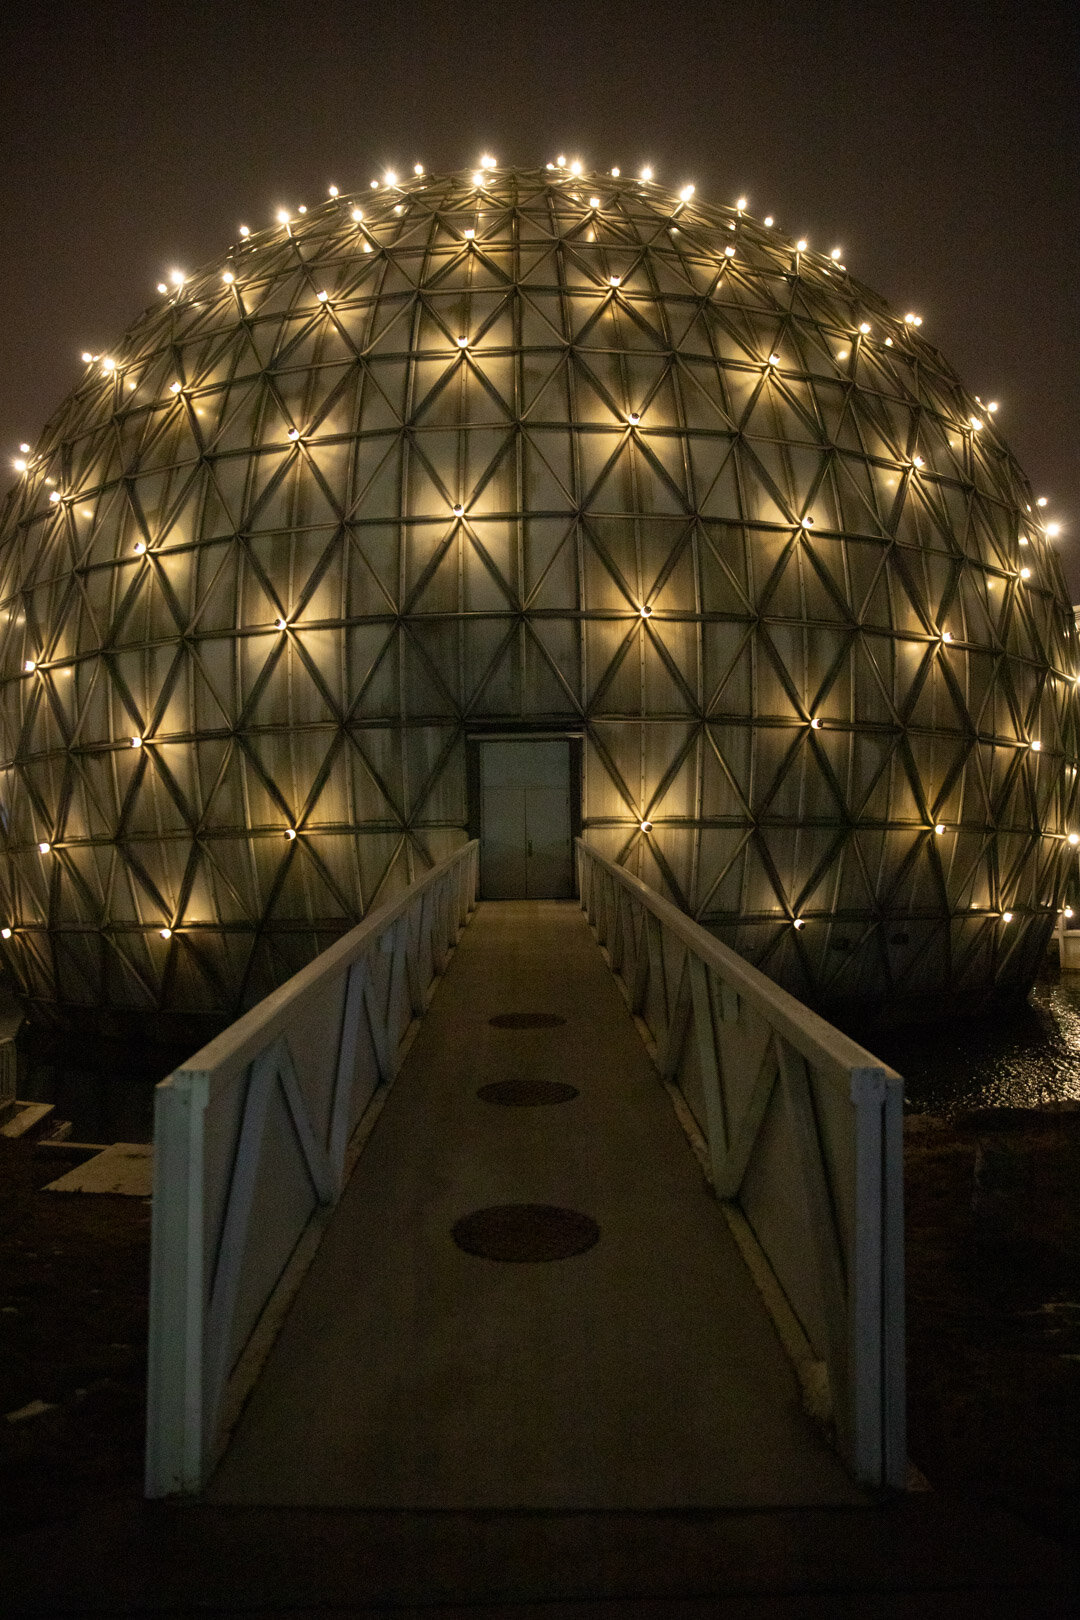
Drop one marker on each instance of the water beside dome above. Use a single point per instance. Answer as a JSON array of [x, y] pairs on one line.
[[527, 452]]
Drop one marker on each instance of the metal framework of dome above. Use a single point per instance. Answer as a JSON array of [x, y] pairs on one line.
[[544, 450]]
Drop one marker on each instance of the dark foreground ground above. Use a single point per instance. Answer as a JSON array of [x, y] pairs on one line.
[[993, 1269]]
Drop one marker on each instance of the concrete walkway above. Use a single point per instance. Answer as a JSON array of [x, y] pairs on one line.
[[641, 1374]]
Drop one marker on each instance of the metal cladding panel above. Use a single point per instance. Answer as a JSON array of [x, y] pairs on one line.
[[499, 454]]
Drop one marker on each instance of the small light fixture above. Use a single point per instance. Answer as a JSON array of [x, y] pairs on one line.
[[615, 173], [1036, 746], [227, 277], [5, 933], [331, 191], [29, 667], [389, 178], [939, 828], [1025, 573], [614, 280], [175, 387], [322, 297], [836, 254], [166, 933], [801, 245], [162, 287], [917, 461], [459, 510], [54, 497], [294, 434], [1040, 501], [774, 359], [729, 252], [646, 173], [280, 624], [44, 848], [290, 833], [633, 419], [357, 215], [1066, 913], [469, 235], [686, 193], [1006, 916], [1074, 839], [864, 327], [136, 742], [946, 635], [418, 168], [645, 610], [282, 217], [19, 465], [1053, 530], [594, 202], [245, 230], [463, 343], [575, 167], [797, 922], [139, 547], [478, 178], [807, 522], [740, 203], [992, 407], [767, 220], [646, 826], [815, 724], [302, 209]]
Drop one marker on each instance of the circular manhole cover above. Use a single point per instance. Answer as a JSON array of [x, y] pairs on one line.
[[525, 1232], [526, 1020], [527, 1093]]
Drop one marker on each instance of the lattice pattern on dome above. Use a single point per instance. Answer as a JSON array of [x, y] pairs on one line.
[[412, 475]]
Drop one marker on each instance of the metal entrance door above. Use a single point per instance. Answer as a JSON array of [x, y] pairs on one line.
[[525, 842]]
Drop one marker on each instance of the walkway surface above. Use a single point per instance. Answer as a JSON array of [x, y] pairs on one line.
[[641, 1374]]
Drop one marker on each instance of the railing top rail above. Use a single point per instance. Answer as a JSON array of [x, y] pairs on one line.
[[254, 1030], [807, 1031]]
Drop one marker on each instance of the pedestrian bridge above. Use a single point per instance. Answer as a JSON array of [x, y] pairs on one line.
[[526, 1204]]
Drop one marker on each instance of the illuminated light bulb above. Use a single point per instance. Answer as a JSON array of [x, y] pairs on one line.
[[399, 208], [19, 465], [108, 365], [279, 624], [463, 343], [634, 418], [418, 168], [946, 635], [560, 162], [774, 359], [729, 252], [549, 165], [614, 280], [175, 387], [1006, 916], [322, 297], [5, 933], [54, 497], [478, 178], [136, 742], [44, 848], [459, 510], [282, 217], [797, 922], [975, 423], [1053, 530], [594, 202], [469, 234], [1042, 500], [646, 826], [176, 277], [616, 173], [1023, 540], [1025, 573], [24, 449], [888, 343], [374, 185], [139, 547], [864, 327], [487, 161], [1068, 911], [645, 610], [290, 832], [686, 193], [808, 523], [389, 178], [29, 667], [245, 230], [302, 209], [294, 434], [801, 245], [227, 277], [835, 254], [646, 173], [767, 220], [1074, 839], [162, 287], [1036, 746], [575, 167], [740, 203], [87, 358], [815, 724], [939, 828], [367, 247], [357, 214], [917, 461], [166, 933], [331, 191], [993, 406]]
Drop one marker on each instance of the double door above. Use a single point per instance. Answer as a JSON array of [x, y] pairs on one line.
[[525, 823]]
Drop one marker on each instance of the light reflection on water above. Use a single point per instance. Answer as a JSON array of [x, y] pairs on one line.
[[1016, 1058]]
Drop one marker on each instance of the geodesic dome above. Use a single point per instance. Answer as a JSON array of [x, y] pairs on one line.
[[547, 450]]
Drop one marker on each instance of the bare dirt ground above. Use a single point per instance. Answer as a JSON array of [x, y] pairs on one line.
[[993, 1279]]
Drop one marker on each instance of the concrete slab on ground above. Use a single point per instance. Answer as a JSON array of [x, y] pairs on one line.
[[125, 1169], [642, 1374]]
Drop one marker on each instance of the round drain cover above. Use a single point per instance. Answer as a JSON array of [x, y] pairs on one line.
[[526, 1020], [525, 1232], [527, 1093]]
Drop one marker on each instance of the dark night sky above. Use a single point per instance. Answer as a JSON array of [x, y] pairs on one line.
[[937, 144]]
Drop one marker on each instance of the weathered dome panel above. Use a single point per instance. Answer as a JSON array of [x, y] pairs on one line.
[[371, 484]]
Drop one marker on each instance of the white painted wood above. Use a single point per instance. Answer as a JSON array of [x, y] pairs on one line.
[[366, 993]]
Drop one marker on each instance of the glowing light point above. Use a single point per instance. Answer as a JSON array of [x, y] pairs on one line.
[[646, 173], [1067, 912], [175, 387], [1053, 530], [294, 434], [176, 277], [166, 933], [729, 252], [357, 214], [615, 173], [575, 167], [282, 216], [24, 449], [645, 610], [290, 832], [136, 742], [740, 203], [815, 724], [463, 343], [487, 161], [469, 234], [44, 848], [322, 297], [1025, 573], [280, 624], [331, 191], [614, 280], [774, 359], [88, 357], [19, 465], [686, 193], [139, 547], [29, 667], [992, 407], [768, 220], [418, 168], [917, 461], [836, 254], [459, 510], [5, 933], [797, 922], [389, 178], [594, 202], [1036, 746], [162, 287], [801, 245], [227, 277], [54, 498], [808, 523], [1006, 916], [646, 826], [939, 828], [634, 418], [1074, 839], [864, 327], [1041, 500], [975, 423]]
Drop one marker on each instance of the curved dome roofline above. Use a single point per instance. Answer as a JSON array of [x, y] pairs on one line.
[[499, 455]]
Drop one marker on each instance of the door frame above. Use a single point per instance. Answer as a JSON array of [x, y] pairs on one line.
[[514, 731]]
